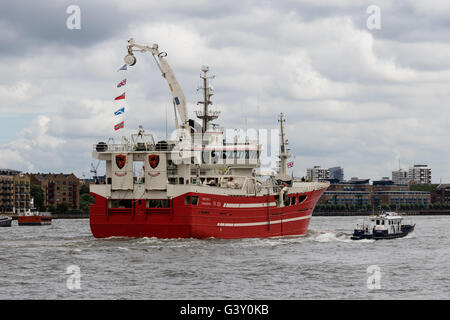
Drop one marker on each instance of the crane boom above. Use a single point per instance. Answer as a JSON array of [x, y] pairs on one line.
[[179, 100]]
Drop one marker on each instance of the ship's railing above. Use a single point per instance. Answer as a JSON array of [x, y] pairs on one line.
[[123, 147], [113, 147], [310, 186], [210, 114]]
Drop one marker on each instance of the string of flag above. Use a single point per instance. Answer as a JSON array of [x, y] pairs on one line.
[[291, 165], [121, 110]]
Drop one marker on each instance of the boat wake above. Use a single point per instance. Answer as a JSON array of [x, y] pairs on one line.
[[331, 236]]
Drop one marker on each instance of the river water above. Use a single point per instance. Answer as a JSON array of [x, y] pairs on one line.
[[64, 261]]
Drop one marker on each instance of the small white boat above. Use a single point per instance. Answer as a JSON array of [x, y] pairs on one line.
[[5, 221], [388, 225]]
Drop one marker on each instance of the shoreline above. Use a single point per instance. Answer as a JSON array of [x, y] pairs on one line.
[[85, 215], [369, 213]]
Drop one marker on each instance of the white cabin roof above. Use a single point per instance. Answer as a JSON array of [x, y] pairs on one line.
[[387, 216]]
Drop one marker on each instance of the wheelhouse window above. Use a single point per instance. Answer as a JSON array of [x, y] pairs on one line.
[[301, 199], [191, 200], [120, 203], [159, 203]]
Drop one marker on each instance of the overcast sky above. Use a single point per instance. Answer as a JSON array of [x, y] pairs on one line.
[[362, 98]]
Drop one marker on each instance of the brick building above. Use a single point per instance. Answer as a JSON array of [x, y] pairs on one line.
[[443, 193], [6, 193], [58, 188], [14, 191], [22, 192]]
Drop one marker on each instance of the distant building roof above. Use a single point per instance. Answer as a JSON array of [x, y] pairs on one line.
[[333, 181], [383, 182], [9, 172], [355, 180], [46, 176]]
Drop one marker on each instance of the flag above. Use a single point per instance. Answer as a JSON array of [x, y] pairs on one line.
[[122, 83], [290, 164], [121, 110], [122, 96], [124, 67], [118, 126]]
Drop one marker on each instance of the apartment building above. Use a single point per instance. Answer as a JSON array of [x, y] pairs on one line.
[[15, 190], [317, 174], [58, 188], [420, 173]]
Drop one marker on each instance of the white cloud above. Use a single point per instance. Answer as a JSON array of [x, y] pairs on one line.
[[37, 135], [14, 159]]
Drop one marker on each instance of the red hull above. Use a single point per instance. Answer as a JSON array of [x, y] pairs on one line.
[[33, 220], [214, 216]]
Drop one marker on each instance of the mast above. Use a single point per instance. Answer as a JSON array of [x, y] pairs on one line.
[[284, 153], [206, 115]]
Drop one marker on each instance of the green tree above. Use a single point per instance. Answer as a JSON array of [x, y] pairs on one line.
[[423, 187], [85, 200], [62, 207], [84, 189], [38, 197]]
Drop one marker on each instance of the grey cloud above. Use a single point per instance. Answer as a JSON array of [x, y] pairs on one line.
[[359, 106]]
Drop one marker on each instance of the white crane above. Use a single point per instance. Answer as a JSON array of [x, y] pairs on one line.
[[179, 101], [94, 169]]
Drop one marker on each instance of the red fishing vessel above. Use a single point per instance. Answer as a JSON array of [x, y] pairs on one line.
[[199, 184]]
